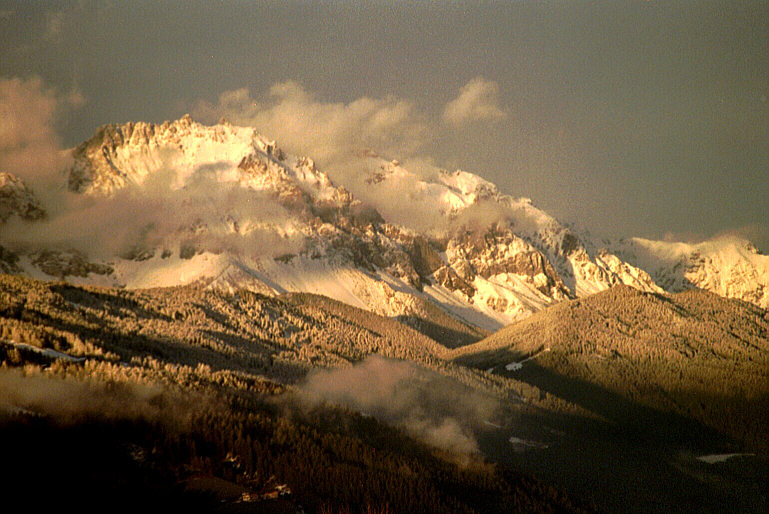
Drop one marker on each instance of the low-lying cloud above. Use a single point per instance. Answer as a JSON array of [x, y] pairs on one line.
[[430, 407], [72, 400], [206, 215]]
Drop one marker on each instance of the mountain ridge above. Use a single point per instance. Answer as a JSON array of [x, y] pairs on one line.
[[235, 210]]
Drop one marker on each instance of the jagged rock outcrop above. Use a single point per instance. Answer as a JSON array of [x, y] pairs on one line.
[[16, 199]]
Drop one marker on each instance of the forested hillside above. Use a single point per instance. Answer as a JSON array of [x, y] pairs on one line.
[[235, 401], [184, 399], [695, 354]]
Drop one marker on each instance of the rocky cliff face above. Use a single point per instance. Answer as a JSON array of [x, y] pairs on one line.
[[16, 199], [248, 214]]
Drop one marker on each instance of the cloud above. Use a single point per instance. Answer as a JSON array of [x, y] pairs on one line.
[[331, 133], [755, 233], [155, 214], [341, 138], [209, 213], [478, 100], [29, 145], [70, 401], [353, 141], [428, 406], [53, 26]]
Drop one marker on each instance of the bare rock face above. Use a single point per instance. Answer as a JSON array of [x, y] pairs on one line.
[[569, 244], [423, 257], [9, 261], [68, 264], [95, 164], [448, 278], [499, 252], [16, 199]]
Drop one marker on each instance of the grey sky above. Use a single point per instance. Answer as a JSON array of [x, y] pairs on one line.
[[628, 118]]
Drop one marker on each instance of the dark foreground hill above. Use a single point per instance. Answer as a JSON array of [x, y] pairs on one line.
[[184, 400], [677, 391]]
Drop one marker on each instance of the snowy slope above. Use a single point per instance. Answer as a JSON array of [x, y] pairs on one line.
[[468, 200], [728, 266]]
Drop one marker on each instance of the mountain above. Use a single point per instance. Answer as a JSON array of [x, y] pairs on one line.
[[728, 266], [666, 382], [228, 325], [179, 202], [16, 199]]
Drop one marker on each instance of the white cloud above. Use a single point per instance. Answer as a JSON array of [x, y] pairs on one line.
[[328, 132], [478, 100], [756, 233], [29, 145], [340, 137], [157, 215], [430, 407]]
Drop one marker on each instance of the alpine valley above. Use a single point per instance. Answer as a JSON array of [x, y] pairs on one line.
[[224, 326]]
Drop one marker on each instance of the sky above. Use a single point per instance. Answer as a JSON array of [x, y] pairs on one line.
[[645, 119]]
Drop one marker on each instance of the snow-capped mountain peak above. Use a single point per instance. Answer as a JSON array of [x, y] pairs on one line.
[[121, 155], [727, 265], [227, 206]]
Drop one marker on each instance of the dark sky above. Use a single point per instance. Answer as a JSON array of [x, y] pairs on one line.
[[628, 118]]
